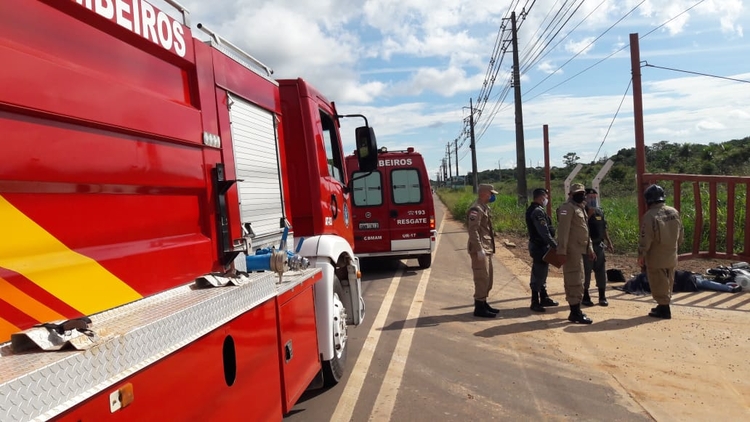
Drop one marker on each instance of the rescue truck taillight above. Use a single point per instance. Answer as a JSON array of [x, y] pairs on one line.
[[432, 222]]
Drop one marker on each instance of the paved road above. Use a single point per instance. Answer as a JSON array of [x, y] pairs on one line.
[[422, 356]]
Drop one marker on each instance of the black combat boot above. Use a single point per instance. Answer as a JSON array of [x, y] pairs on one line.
[[545, 300], [577, 316], [661, 311], [603, 298], [535, 305], [490, 308], [480, 310], [586, 301]]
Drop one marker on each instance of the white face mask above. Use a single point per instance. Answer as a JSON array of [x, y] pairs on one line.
[[545, 202]]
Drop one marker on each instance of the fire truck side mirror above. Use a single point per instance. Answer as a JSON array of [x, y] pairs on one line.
[[367, 149]]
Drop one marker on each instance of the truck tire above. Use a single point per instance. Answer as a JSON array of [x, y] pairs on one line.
[[333, 370], [424, 261]]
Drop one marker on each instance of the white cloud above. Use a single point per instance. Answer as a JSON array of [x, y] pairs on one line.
[[548, 67], [583, 46], [411, 65], [446, 82]]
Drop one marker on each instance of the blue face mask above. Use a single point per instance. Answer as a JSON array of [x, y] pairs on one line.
[[492, 198]]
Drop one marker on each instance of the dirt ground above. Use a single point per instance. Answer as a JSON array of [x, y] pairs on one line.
[[694, 367]]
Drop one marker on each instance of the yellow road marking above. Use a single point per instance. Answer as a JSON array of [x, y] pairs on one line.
[[77, 280]]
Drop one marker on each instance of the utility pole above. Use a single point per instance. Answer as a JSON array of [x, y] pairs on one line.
[[473, 147], [520, 151], [456, 150], [499, 170], [640, 142], [450, 169], [445, 172]]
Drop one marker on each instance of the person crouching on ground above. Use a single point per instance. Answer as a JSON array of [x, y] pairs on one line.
[[481, 247]]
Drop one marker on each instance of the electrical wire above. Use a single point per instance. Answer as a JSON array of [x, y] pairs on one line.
[[613, 118], [557, 30], [696, 73], [539, 58], [588, 45], [612, 54]]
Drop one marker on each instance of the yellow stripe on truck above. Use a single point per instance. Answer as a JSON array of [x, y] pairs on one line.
[[81, 282]]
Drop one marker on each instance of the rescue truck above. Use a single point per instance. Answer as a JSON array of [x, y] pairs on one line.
[[175, 223], [393, 208]]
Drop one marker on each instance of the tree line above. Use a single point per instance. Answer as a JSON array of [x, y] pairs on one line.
[[731, 158]]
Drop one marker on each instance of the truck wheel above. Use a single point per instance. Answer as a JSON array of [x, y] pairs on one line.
[[333, 370], [424, 261]]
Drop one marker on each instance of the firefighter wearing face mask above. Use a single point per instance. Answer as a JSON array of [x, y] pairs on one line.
[[599, 236], [572, 243], [481, 247], [541, 239]]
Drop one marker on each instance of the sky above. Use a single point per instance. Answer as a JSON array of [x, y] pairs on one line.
[[413, 66]]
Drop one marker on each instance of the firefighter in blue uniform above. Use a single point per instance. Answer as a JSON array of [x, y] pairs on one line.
[[541, 239]]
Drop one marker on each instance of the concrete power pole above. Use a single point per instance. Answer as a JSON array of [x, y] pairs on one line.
[[450, 169], [445, 172], [520, 151], [473, 147], [456, 151]]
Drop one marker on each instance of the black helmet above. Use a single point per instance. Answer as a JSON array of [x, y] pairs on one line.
[[654, 194]]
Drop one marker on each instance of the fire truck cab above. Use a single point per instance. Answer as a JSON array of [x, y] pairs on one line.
[[394, 212]]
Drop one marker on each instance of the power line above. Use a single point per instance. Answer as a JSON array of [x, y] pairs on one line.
[[613, 118], [588, 45], [613, 53], [557, 32], [554, 23], [696, 73], [540, 57]]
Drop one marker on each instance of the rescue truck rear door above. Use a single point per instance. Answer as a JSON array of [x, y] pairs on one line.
[[371, 212], [408, 217]]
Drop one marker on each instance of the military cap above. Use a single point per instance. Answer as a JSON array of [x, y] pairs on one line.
[[577, 187], [591, 191], [487, 187]]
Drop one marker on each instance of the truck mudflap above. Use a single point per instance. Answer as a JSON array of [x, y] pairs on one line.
[[38, 385]]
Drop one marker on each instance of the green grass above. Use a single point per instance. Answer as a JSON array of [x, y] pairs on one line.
[[621, 213]]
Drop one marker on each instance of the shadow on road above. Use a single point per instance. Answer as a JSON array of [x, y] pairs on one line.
[[520, 327], [505, 314], [611, 324]]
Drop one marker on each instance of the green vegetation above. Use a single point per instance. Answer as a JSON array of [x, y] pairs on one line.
[[618, 197]]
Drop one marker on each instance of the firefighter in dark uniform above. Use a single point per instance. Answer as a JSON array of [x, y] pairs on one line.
[[599, 235], [572, 242], [541, 239], [481, 247], [661, 235]]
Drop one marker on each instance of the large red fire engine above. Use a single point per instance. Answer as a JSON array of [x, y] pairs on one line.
[[175, 224]]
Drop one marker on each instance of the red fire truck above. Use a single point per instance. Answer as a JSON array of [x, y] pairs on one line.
[[394, 214], [175, 224]]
